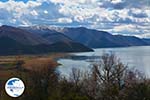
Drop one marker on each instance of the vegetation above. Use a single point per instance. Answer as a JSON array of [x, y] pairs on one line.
[[109, 79]]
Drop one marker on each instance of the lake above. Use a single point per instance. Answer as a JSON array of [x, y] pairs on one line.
[[137, 57]]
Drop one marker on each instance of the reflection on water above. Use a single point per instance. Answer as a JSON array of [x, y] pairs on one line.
[[138, 57]]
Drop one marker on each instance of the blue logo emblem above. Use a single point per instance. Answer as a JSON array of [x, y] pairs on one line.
[[14, 87]]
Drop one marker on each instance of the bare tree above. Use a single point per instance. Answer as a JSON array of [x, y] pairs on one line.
[[106, 78], [76, 76]]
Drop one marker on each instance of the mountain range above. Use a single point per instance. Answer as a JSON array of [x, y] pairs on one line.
[[92, 38], [45, 39], [101, 39], [15, 40]]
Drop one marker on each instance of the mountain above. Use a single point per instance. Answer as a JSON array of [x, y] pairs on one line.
[[101, 39], [147, 40], [18, 41], [21, 36], [89, 37], [49, 34], [45, 39], [56, 38]]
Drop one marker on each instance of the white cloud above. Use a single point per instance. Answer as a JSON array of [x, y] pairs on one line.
[[45, 11], [18, 10], [25, 23], [126, 27], [13, 21], [116, 1], [74, 2], [64, 20], [34, 13], [117, 16]]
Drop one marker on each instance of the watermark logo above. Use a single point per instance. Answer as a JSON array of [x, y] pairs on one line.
[[14, 87]]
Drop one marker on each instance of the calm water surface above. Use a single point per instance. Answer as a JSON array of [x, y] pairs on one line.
[[136, 57]]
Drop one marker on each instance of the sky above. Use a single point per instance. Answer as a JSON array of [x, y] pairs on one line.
[[126, 17]]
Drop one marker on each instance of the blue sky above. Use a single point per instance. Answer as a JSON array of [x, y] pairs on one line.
[[128, 17]]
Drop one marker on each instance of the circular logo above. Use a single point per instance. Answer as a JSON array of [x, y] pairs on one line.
[[14, 87]]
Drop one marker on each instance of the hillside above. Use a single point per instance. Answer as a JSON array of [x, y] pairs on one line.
[[18, 41], [147, 40], [37, 39], [89, 37], [100, 39], [51, 35], [21, 36]]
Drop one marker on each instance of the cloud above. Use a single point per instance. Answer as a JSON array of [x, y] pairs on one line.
[[34, 13], [64, 20], [116, 16], [18, 10], [121, 4], [138, 13], [5, 14], [45, 11]]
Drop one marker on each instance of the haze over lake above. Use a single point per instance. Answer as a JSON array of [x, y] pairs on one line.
[[135, 57]]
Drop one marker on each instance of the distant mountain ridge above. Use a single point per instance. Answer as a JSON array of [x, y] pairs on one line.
[[92, 38], [21, 36], [49, 34], [45, 39], [147, 40], [101, 39], [19, 41]]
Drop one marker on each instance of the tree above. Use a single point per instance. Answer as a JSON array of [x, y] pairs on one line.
[[42, 79]]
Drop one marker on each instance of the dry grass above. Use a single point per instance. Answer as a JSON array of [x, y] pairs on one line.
[[31, 62], [39, 63], [35, 64], [4, 74], [6, 61], [13, 59]]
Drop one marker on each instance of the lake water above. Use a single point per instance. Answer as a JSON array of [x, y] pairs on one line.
[[135, 57]]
